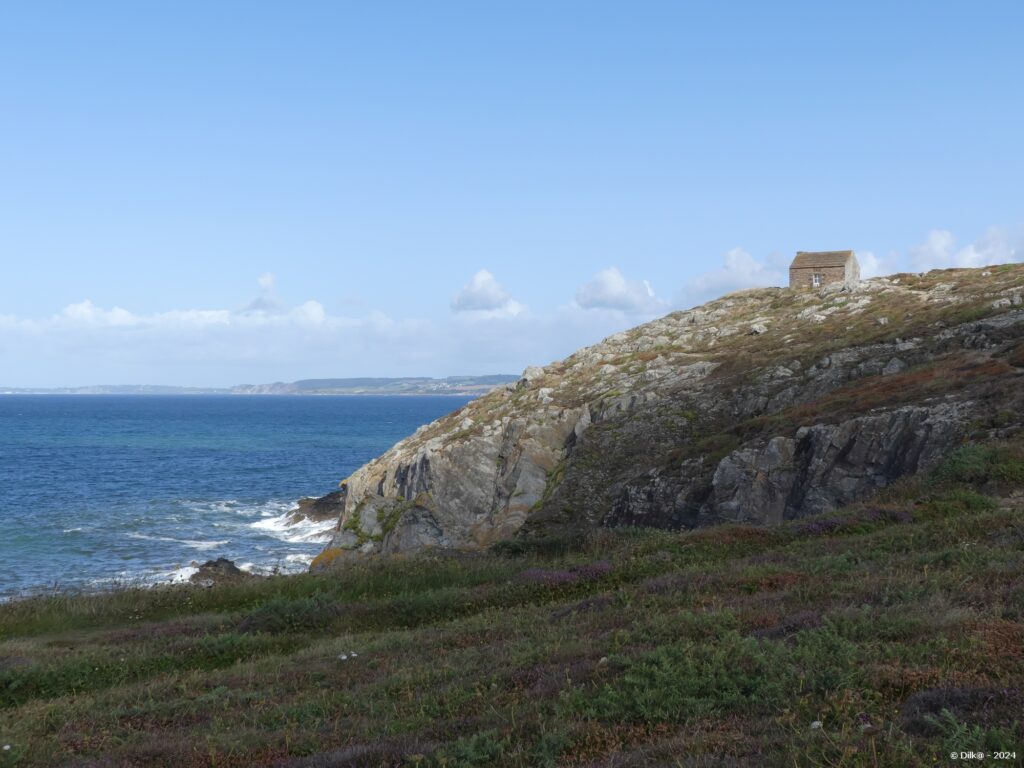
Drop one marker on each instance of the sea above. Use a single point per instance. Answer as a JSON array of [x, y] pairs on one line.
[[101, 491]]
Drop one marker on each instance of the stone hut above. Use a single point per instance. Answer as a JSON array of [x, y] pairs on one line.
[[813, 269]]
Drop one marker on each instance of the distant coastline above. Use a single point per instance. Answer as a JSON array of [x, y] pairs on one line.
[[410, 385]]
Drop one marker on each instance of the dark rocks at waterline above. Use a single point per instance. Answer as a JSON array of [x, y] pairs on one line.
[[327, 507], [220, 571]]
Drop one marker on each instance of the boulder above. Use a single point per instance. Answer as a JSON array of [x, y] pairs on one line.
[[220, 571], [327, 507]]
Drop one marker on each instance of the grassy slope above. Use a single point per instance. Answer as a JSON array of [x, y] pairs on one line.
[[714, 647]]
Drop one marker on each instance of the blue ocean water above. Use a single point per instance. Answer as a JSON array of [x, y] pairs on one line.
[[99, 490]]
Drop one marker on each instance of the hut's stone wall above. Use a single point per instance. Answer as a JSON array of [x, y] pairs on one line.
[[802, 277]]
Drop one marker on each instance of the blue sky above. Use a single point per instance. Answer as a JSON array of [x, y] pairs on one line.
[[200, 193]]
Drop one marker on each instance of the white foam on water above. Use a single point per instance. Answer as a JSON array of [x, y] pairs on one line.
[[254, 527], [277, 508], [225, 507], [295, 531], [147, 537], [201, 544], [144, 578], [180, 575], [293, 563]]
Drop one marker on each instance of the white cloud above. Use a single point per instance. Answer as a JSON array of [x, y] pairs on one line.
[[484, 296], [739, 270], [311, 313], [192, 319], [87, 313], [267, 302], [609, 289], [488, 331], [86, 343], [872, 266], [935, 251], [939, 251], [89, 344]]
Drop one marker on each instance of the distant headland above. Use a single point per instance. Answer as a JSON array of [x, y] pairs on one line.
[[409, 385]]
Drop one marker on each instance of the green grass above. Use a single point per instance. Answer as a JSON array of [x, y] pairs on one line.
[[979, 464], [897, 624]]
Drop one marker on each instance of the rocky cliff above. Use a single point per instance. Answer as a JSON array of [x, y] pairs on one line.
[[762, 406]]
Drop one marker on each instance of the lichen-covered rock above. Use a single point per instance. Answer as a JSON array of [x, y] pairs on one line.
[[761, 406], [466, 492]]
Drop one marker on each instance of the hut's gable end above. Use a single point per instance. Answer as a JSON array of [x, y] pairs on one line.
[[812, 269]]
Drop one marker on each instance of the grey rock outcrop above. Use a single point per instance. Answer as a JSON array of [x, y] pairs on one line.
[[465, 492], [762, 406], [828, 465]]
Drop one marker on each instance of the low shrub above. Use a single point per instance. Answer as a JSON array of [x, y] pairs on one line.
[[480, 749], [683, 681], [981, 464], [286, 614]]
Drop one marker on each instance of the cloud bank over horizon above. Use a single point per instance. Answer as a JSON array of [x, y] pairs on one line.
[[487, 330]]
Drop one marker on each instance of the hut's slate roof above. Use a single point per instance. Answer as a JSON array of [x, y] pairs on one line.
[[815, 259]]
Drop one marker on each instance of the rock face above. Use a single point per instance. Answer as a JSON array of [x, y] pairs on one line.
[[828, 465], [762, 406]]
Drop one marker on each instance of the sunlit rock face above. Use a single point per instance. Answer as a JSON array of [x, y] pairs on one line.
[[763, 406]]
